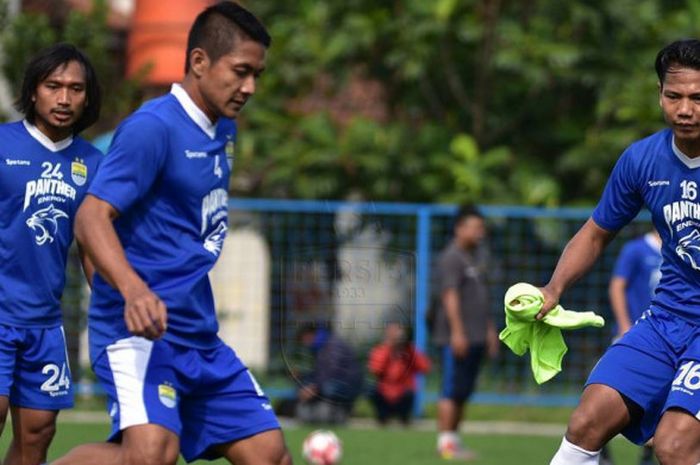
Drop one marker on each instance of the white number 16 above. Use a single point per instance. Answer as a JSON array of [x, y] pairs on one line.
[[689, 375]]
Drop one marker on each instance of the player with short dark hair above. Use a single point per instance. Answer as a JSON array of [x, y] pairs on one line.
[[154, 224], [648, 382], [45, 172]]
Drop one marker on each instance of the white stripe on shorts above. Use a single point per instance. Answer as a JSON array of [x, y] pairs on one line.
[[65, 348], [128, 360]]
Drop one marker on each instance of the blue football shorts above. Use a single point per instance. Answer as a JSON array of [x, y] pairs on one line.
[[656, 365], [34, 368], [206, 397], [459, 374]]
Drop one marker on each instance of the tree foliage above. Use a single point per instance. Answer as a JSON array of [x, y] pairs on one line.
[[492, 101], [527, 101]]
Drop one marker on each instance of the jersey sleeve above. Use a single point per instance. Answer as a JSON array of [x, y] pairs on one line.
[[622, 199], [133, 162]]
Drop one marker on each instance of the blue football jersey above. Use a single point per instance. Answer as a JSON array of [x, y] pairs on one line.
[[167, 174], [639, 264], [41, 185], [655, 173]]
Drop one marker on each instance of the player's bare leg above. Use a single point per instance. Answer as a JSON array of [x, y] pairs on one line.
[[32, 432], [677, 439], [4, 407], [449, 414], [601, 414], [141, 445], [266, 448]]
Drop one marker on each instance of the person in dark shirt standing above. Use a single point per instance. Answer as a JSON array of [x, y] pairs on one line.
[[463, 330]]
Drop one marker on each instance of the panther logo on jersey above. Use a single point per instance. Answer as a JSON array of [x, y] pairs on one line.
[[689, 249], [45, 223], [215, 240]]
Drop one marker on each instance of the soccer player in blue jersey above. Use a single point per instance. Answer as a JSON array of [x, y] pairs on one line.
[[154, 223], [648, 382], [45, 172]]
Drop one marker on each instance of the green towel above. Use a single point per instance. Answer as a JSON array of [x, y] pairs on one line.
[[547, 347]]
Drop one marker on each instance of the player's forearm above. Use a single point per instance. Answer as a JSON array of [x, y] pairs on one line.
[[88, 267], [578, 256], [96, 235]]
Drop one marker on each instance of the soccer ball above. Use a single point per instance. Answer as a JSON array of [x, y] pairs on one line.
[[322, 447]]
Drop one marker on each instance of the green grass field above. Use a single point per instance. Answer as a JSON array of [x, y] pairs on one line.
[[385, 447]]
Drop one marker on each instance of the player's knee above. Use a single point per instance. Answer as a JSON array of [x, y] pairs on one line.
[[151, 453], [673, 447], [280, 456], [277, 455], [38, 437], [583, 429], [668, 451]]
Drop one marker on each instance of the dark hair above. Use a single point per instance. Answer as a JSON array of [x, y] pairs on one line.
[[681, 53], [217, 29], [45, 63], [465, 211]]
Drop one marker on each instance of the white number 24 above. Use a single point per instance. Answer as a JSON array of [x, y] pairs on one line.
[[58, 378]]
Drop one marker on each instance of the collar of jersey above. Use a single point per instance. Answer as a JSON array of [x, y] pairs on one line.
[[193, 111], [44, 140], [687, 161]]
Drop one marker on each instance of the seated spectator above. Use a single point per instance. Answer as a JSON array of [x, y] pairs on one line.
[[329, 390], [395, 362]]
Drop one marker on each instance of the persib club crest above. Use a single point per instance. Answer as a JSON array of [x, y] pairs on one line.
[[78, 172], [167, 395], [230, 149]]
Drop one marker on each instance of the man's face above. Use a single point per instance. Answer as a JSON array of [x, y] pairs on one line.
[[680, 102], [227, 84], [470, 231], [59, 101]]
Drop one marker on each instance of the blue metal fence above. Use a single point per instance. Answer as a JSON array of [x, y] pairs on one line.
[[373, 261], [524, 245]]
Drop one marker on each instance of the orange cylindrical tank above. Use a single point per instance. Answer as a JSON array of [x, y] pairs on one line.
[[158, 38]]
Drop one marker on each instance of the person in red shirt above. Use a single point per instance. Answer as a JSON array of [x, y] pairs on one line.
[[395, 362]]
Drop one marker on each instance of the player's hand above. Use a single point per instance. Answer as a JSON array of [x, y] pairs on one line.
[[459, 344], [551, 299], [145, 314]]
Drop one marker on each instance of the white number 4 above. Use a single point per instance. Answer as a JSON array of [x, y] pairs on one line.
[[217, 167], [689, 375], [58, 378]]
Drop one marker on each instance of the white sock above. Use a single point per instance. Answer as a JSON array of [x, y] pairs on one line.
[[571, 454], [446, 437]]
